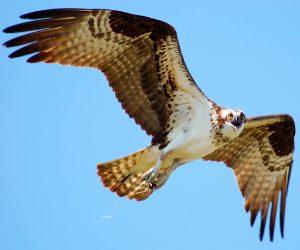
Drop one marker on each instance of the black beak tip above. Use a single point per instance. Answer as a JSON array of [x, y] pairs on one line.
[[237, 124]]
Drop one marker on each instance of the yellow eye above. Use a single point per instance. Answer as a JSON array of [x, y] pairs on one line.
[[242, 117], [230, 116]]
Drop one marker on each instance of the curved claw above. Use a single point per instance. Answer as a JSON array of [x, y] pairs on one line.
[[157, 184], [150, 174]]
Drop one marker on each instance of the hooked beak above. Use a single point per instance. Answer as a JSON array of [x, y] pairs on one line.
[[236, 124], [235, 128]]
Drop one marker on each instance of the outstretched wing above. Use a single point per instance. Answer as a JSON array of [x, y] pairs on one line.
[[261, 158], [140, 56]]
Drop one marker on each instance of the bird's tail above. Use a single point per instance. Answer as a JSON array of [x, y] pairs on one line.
[[124, 175]]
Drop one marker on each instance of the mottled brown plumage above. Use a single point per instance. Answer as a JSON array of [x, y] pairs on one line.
[[261, 158], [124, 175], [142, 61], [137, 54]]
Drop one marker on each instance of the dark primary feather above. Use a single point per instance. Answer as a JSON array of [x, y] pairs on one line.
[[261, 158], [143, 63], [66, 12], [137, 54]]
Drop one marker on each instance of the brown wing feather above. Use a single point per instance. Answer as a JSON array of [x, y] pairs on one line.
[[261, 158], [138, 55]]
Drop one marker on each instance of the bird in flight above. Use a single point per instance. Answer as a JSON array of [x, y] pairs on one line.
[[143, 64]]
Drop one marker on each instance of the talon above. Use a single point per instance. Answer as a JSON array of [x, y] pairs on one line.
[[158, 182], [150, 175], [152, 185], [152, 172]]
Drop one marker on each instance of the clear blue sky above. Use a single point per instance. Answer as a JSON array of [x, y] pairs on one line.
[[58, 123]]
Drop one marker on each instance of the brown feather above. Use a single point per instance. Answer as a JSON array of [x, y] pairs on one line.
[[39, 25], [124, 176], [137, 54], [57, 13], [261, 158], [273, 212]]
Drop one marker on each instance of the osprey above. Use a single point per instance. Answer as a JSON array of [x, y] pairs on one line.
[[142, 61]]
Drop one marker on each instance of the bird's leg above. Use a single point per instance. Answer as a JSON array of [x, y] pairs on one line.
[[162, 179], [152, 172]]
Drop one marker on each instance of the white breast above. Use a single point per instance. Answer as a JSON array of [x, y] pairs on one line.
[[191, 137]]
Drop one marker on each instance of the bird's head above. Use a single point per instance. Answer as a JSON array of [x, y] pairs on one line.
[[234, 122]]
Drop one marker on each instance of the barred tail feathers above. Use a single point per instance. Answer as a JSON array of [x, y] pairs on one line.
[[124, 175]]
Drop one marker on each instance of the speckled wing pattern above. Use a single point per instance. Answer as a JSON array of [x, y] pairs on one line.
[[124, 175], [142, 61], [261, 158], [140, 56]]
